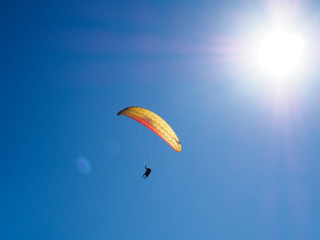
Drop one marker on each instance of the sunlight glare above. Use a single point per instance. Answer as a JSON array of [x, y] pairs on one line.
[[281, 53]]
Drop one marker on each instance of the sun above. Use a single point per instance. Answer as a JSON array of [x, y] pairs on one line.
[[278, 55], [281, 53]]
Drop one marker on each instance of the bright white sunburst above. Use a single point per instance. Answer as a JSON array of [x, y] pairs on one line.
[[281, 53]]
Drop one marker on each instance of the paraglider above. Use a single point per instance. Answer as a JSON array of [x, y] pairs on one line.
[[156, 124], [147, 173]]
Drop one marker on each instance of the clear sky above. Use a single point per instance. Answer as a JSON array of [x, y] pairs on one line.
[[71, 168]]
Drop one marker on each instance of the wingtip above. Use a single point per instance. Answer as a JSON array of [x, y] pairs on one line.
[[119, 113]]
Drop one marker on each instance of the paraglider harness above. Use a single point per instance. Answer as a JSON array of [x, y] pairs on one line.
[[147, 173]]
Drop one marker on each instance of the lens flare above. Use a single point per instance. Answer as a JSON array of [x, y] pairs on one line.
[[83, 165], [113, 148]]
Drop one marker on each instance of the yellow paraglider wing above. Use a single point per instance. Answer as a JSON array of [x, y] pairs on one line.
[[154, 123]]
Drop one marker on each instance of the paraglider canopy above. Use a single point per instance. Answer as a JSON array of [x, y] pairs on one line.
[[155, 123]]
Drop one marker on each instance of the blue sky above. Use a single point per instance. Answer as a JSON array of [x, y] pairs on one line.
[[249, 165]]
